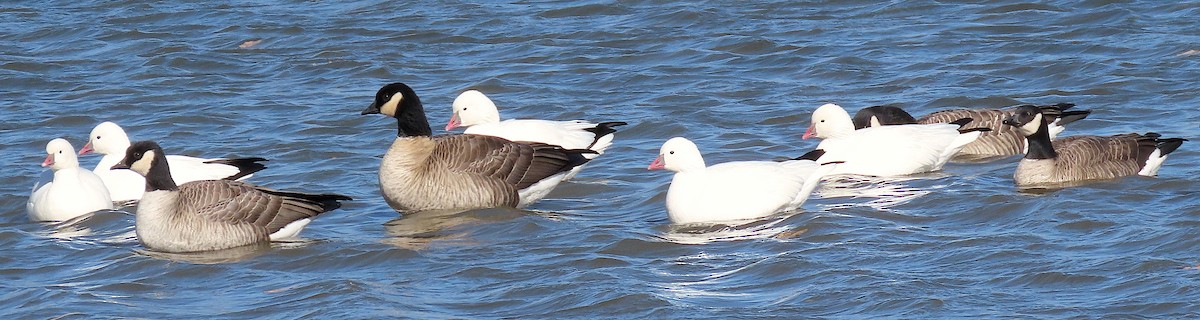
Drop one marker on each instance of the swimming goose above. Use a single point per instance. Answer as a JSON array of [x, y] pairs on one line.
[[207, 215], [737, 190], [111, 141], [424, 172], [1001, 141], [888, 150], [473, 110], [74, 191], [1079, 158]]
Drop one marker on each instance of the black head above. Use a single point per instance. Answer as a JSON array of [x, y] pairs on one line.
[[1027, 119], [398, 100], [147, 159], [883, 115]]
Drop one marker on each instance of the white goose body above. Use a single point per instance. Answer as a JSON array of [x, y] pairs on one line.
[[208, 215], [110, 140], [423, 172], [475, 111], [73, 192], [888, 150], [732, 191]]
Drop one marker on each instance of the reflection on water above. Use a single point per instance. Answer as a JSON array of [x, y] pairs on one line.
[[884, 193], [212, 257], [769, 227]]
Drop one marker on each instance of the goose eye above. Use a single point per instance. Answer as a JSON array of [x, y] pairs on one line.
[[97, 137], [464, 109], [822, 120], [59, 151], [672, 152]]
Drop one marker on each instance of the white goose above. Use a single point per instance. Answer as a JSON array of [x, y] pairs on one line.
[[473, 110], [888, 150], [111, 141], [1001, 141], [422, 172], [737, 190], [74, 191], [208, 215]]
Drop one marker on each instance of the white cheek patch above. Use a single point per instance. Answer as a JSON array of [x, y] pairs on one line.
[[1032, 126], [875, 122], [142, 166], [389, 108]]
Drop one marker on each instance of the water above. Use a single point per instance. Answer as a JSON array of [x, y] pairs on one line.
[[286, 81]]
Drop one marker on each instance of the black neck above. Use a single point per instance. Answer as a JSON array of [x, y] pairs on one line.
[[1039, 144], [159, 177], [411, 120]]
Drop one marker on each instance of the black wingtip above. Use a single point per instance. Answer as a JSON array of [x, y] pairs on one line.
[[1072, 116], [962, 122], [245, 166], [980, 129], [575, 157], [605, 128], [811, 155]]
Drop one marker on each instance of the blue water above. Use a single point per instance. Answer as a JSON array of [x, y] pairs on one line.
[[286, 81]]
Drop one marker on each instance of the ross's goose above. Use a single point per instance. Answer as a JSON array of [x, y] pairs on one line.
[[111, 141], [424, 172], [207, 215], [887, 150], [473, 110], [1081, 158], [74, 191], [733, 191]]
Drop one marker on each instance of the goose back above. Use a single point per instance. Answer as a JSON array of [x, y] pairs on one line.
[[467, 171], [217, 214]]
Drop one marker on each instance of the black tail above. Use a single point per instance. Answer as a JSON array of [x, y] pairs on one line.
[[603, 129], [1072, 116], [246, 166], [575, 158], [1168, 145]]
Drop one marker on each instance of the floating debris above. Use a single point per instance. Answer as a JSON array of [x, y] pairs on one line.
[[249, 43]]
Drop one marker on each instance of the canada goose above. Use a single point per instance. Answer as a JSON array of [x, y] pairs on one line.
[[888, 150], [1001, 141], [209, 215], [110, 140], [1080, 158], [424, 172], [74, 191], [473, 110], [737, 190]]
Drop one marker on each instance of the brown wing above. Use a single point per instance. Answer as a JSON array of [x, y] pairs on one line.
[[1094, 157], [1001, 140], [520, 164], [236, 202]]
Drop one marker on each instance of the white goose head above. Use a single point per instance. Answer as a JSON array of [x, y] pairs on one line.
[[106, 138], [679, 155], [60, 155], [829, 121], [471, 108]]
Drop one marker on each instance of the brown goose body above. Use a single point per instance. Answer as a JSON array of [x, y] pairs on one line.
[[1082, 158], [423, 172], [213, 214]]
